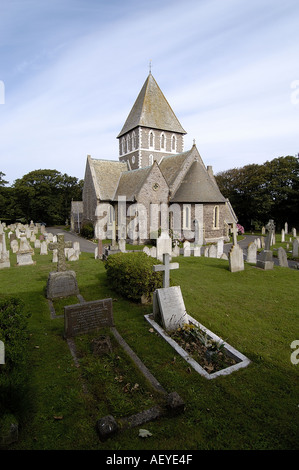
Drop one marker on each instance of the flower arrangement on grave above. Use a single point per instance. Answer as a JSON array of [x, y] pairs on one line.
[[210, 354]]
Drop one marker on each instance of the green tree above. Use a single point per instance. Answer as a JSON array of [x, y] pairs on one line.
[[260, 192], [45, 196]]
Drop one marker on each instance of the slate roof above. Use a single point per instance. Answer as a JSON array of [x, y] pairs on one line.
[[107, 174], [197, 187], [151, 109], [131, 182]]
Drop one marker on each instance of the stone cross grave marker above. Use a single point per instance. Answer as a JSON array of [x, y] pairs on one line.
[[165, 268], [271, 230], [234, 231], [60, 245]]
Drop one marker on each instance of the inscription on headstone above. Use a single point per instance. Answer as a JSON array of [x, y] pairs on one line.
[[89, 316]]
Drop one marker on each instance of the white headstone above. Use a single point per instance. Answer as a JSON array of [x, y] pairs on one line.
[[251, 253], [172, 308], [43, 248], [236, 261], [147, 250], [187, 248], [282, 257], [220, 244]]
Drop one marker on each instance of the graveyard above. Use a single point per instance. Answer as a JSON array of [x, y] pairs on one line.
[[125, 370]]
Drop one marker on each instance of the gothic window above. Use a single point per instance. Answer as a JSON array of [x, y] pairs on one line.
[[134, 141], [162, 140], [173, 143], [151, 160], [151, 140], [187, 216], [216, 217], [123, 145]]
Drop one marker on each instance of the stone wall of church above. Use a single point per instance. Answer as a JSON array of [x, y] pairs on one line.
[[89, 197]]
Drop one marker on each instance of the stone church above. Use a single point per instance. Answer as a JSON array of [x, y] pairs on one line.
[[155, 184]]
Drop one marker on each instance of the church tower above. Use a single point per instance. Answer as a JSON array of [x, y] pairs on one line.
[[151, 131]]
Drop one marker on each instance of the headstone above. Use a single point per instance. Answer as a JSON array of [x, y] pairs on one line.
[[265, 260], [164, 245], [88, 316], [62, 283], [72, 255], [251, 253], [213, 251], [170, 308], [286, 228], [197, 251], [176, 250], [282, 258], [24, 255], [146, 250], [294, 232], [14, 245], [220, 245], [153, 252], [282, 235], [43, 248], [37, 244], [187, 248], [165, 268], [236, 260], [4, 254]]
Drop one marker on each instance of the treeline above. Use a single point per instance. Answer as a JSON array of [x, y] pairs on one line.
[[41, 196], [262, 192]]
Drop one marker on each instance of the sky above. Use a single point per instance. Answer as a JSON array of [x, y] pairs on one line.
[[71, 70]]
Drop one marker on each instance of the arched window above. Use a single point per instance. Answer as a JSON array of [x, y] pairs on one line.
[[134, 140], [151, 140], [187, 216], [162, 141], [216, 217], [150, 160], [173, 143], [123, 145]]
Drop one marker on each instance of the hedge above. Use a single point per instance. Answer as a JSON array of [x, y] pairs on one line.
[[132, 275]]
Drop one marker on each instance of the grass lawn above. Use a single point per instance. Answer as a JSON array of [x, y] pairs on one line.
[[255, 311]]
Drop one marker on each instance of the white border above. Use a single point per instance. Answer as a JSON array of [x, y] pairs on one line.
[[244, 361]]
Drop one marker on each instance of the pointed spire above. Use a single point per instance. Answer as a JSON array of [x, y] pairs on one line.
[[151, 109]]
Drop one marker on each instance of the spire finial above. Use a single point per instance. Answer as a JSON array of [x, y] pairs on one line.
[[150, 66]]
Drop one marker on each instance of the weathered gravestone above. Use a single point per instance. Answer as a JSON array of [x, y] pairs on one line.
[[252, 253], [235, 257], [282, 257], [24, 254], [266, 258], [88, 316], [61, 283]]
